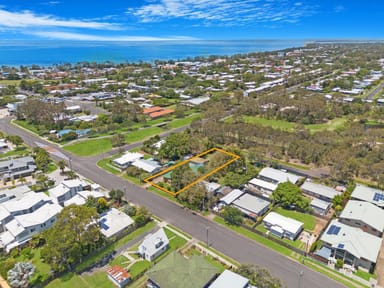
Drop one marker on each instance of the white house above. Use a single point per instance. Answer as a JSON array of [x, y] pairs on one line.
[[127, 159], [148, 165], [66, 190], [319, 191], [251, 206], [277, 176], [264, 186], [364, 215], [81, 197], [354, 246], [154, 245], [20, 220], [14, 193], [230, 279], [282, 226], [113, 221], [368, 194]]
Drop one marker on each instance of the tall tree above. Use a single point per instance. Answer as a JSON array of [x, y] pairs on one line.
[[79, 234], [258, 276]]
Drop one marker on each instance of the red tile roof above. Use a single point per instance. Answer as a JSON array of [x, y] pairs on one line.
[[161, 113], [152, 109]]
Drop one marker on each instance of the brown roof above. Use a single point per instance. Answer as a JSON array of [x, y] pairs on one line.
[[152, 109], [161, 113], [118, 273]]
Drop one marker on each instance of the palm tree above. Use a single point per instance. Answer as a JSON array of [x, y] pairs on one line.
[[61, 165]]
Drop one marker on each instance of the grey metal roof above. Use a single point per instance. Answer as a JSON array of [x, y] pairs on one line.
[[229, 279], [351, 239], [365, 193], [250, 203], [319, 189], [365, 212], [278, 175]]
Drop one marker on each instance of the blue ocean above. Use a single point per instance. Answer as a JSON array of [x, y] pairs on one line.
[[46, 53]]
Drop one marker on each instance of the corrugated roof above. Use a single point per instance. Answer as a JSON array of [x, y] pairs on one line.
[[278, 175], [229, 279], [232, 196], [319, 189], [288, 224]]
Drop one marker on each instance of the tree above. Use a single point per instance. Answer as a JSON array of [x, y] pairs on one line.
[[143, 216], [71, 174], [181, 177], [15, 140], [79, 235], [232, 215], [116, 195], [61, 165], [195, 197], [290, 196], [19, 276], [258, 276], [118, 140], [42, 158]]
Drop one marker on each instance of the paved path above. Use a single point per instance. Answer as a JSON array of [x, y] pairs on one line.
[[229, 243]]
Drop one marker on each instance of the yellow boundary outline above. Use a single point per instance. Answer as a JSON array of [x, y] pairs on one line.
[[148, 180]]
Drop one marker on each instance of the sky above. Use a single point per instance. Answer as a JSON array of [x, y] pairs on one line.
[[151, 20]]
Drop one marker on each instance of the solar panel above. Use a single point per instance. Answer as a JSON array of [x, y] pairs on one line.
[[104, 226], [378, 197], [340, 246], [333, 230]]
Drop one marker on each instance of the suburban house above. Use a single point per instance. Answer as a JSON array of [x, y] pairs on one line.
[[320, 206], [176, 271], [113, 222], [211, 187], [230, 279], [251, 206], [154, 245], [354, 246], [263, 186], [148, 165], [81, 197], [23, 218], [118, 276], [319, 191], [282, 226], [230, 197], [16, 168], [66, 190], [127, 159], [368, 194], [268, 178], [364, 215], [156, 111], [14, 193], [277, 176]]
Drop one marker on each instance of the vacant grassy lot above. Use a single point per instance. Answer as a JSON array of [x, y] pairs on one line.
[[308, 220], [71, 280], [290, 126], [142, 134], [184, 121], [26, 125], [90, 147]]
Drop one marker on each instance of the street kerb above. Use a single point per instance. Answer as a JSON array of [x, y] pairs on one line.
[[149, 179]]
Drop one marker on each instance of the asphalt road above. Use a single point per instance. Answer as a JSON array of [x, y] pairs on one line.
[[226, 241]]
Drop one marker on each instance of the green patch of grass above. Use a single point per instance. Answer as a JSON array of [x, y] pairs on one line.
[[180, 231], [100, 254], [10, 82], [70, 280], [308, 220], [51, 167], [184, 121], [20, 151], [142, 134], [139, 267], [42, 269], [275, 124], [162, 193], [107, 165], [26, 125], [132, 179], [120, 260], [90, 147], [230, 260], [365, 275], [331, 125], [175, 241]]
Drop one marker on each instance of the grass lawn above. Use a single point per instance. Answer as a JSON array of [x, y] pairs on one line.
[[365, 275], [21, 151], [107, 165], [10, 82], [139, 267], [90, 147], [120, 260], [42, 269], [184, 121], [308, 220], [162, 193], [175, 241], [51, 167], [142, 134], [330, 125], [94, 258], [26, 125], [70, 280]]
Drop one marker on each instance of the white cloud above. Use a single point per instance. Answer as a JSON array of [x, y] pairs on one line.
[[29, 19], [58, 35], [220, 12]]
